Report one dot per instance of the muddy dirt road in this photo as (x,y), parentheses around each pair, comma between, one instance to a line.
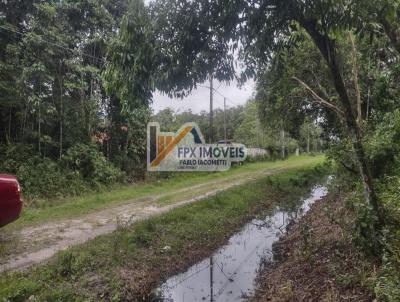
(35,244)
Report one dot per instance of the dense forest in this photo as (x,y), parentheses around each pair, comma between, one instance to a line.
(244,125)
(53,105)
(69,123)
(77,79)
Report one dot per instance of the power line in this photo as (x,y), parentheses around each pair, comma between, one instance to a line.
(53,43)
(225,275)
(230,278)
(228,99)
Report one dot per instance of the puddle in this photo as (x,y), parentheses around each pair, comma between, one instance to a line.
(229,274)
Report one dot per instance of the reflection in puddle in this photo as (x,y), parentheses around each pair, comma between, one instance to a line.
(229,274)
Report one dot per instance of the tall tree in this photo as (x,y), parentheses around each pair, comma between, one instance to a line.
(263,27)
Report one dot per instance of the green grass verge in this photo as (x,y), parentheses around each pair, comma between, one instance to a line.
(127,264)
(69,208)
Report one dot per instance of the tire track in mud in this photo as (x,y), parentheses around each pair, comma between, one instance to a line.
(36,244)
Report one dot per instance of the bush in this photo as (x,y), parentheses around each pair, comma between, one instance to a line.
(13,155)
(91,164)
(387,287)
(258,157)
(388,283)
(382,145)
(43,177)
(81,169)
(133,167)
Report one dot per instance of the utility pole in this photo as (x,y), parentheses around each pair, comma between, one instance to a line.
(225,119)
(210,133)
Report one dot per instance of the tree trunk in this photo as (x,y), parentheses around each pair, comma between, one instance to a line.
(9,127)
(39,130)
(60,83)
(23,124)
(90,110)
(328,50)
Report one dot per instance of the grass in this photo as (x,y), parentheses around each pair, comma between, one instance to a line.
(72,207)
(127,264)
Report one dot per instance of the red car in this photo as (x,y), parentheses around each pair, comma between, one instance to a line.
(10,199)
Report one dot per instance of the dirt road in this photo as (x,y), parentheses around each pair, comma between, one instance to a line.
(35,244)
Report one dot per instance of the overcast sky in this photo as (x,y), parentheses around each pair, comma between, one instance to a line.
(200,99)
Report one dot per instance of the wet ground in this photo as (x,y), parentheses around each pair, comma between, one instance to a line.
(230,273)
(34,245)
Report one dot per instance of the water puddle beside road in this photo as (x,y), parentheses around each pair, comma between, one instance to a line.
(230,273)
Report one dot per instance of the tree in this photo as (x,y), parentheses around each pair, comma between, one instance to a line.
(263,27)
(171,120)
(383,14)
(166,118)
(285,105)
(192,43)
(52,97)
(249,131)
(55,59)
(311,136)
(129,77)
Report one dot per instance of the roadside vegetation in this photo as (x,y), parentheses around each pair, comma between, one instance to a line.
(129,263)
(167,185)
(328,256)
(319,260)
(69,124)
(78,78)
